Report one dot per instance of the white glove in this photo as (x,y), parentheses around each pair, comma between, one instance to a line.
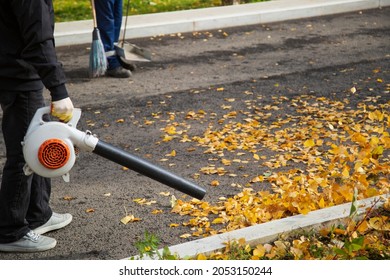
(62,109)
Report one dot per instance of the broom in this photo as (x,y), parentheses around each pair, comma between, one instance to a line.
(97,56)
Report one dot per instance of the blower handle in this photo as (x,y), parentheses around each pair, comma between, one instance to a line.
(146,168)
(38,119)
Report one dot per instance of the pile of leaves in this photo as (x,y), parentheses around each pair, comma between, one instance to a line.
(323,152)
(366,238)
(339,149)
(361,238)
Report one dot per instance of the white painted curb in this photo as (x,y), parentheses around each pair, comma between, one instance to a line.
(140,26)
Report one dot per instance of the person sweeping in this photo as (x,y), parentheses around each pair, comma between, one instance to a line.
(109,22)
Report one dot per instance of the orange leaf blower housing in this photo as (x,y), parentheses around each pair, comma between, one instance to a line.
(53,153)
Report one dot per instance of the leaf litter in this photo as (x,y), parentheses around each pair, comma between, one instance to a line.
(314,155)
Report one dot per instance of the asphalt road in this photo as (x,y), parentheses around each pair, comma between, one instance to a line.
(193,81)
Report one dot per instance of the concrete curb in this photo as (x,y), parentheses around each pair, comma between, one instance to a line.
(268,232)
(80,32)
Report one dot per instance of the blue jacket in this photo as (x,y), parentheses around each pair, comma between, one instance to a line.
(28,58)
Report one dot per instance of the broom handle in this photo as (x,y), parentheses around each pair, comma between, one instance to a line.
(94,13)
(124,30)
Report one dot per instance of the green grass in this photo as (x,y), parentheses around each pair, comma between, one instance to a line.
(73,10)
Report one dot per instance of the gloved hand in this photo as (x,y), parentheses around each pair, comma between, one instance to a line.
(62,109)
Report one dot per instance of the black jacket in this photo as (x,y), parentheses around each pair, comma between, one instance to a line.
(28,59)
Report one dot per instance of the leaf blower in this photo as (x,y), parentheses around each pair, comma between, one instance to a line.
(49,149)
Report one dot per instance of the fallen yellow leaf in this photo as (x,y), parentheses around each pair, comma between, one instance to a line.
(173,201)
(309,143)
(214,183)
(259,251)
(173,225)
(201,257)
(218,221)
(165,193)
(129,218)
(380,223)
(171,154)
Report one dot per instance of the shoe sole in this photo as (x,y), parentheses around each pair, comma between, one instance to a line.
(9,249)
(119,76)
(53,227)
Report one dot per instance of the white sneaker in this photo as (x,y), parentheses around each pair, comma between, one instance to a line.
(56,221)
(31,242)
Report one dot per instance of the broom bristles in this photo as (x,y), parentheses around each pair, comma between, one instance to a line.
(97,56)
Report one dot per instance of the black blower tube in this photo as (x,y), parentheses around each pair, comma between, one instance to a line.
(148,169)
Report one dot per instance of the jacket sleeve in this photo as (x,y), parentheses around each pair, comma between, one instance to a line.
(35,19)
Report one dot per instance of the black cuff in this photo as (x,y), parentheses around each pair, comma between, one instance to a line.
(58,93)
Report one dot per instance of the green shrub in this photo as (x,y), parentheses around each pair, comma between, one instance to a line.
(72,10)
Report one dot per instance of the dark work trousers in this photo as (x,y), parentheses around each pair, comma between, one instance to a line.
(109,22)
(24,200)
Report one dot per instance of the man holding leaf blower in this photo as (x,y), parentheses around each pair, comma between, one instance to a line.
(28,63)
